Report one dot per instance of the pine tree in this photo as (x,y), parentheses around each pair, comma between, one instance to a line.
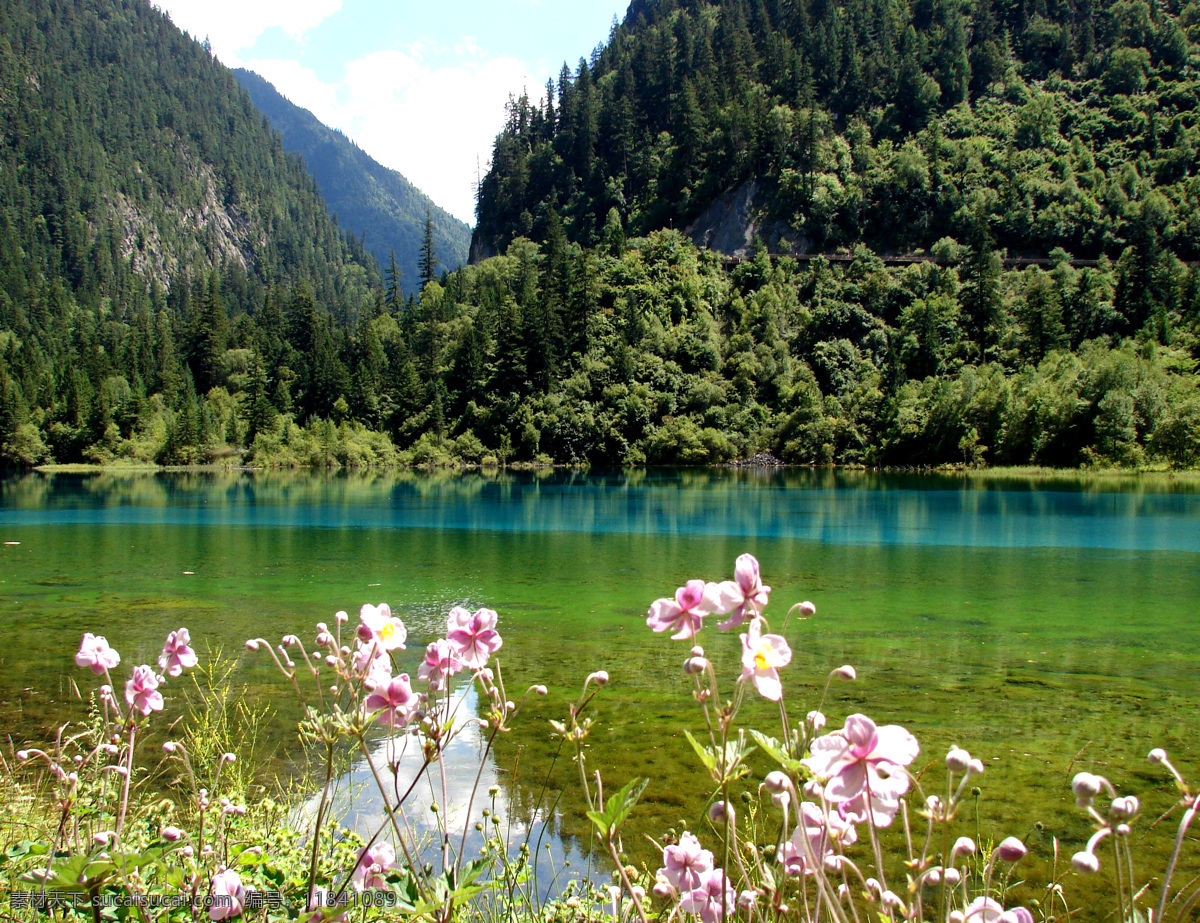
(394,295)
(429,260)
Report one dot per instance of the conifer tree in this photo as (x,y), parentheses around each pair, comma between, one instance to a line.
(429,261)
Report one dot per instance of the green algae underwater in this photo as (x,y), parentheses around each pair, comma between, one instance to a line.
(1047,625)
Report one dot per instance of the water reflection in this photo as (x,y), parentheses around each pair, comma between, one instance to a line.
(464,785)
(1155,513)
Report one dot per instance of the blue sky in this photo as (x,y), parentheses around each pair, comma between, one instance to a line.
(419,86)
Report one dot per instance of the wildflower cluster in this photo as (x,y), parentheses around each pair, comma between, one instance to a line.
(358,690)
(93,854)
(835,792)
(1115,826)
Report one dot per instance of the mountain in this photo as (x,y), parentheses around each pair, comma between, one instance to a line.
(823,124)
(967,234)
(156,242)
(375,203)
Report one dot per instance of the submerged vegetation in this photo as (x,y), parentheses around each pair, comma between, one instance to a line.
(805,824)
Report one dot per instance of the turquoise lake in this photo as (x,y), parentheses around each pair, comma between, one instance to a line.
(1044,625)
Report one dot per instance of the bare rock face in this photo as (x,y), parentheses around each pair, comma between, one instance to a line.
(730,224)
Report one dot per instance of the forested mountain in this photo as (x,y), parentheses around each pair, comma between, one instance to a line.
(147,217)
(1033,124)
(375,203)
(172,289)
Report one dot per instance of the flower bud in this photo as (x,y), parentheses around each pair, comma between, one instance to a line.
(846,672)
(171,834)
(104,837)
(807,609)
(719,811)
(1085,863)
(341,616)
(22,755)
(933,804)
(963,846)
(934,876)
(815,720)
(874,888)
(188,851)
(600,677)
(957,916)
(694,665)
(976,767)
(539,690)
(1085,785)
(747,899)
(252,644)
(952,877)
(814,789)
(781,800)
(662,889)
(958,760)
(1011,849)
(1125,807)
(776,782)
(638,893)
(172,746)
(228,758)
(1123,829)
(1157,755)
(891,900)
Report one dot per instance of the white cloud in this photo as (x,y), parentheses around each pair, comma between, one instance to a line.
(301,86)
(234,25)
(435,124)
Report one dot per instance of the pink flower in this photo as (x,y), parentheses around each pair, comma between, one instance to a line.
(862,756)
(141,692)
(94,652)
(228,896)
(441,662)
(379,625)
(825,834)
(456,618)
(176,655)
(474,637)
(686,865)
(371,663)
(884,802)
(372,863)
(711,899)
(396,699)
(744,597)
(987,910)
(762,656)
(692,602)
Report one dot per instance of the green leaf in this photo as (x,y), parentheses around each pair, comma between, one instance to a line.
(707,756)
(777,751)
(617,808)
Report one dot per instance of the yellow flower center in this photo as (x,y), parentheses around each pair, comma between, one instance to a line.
(760,658)
(386,632)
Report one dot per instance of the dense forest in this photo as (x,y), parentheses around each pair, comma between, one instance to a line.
(174,291)
(376,204)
